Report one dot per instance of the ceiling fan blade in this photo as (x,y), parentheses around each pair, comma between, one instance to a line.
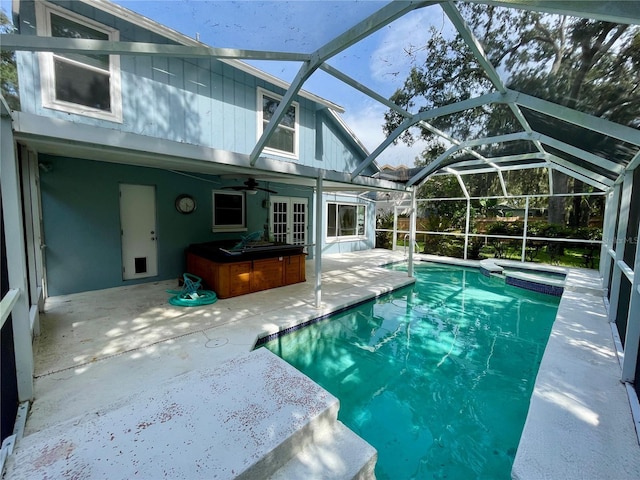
(267,190)
(249,186)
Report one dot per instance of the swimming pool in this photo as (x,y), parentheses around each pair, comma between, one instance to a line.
(436,376)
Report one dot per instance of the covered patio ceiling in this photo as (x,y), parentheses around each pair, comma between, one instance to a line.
(586,147)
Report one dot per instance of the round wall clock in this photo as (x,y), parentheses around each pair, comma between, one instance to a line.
(185,204)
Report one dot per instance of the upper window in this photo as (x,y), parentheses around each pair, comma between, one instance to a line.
(284,140)
(345,220)
(83,83)
(228,211)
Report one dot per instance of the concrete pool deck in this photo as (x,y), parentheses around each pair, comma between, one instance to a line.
(106,358)
(100,349)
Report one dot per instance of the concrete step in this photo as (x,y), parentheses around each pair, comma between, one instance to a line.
(336,454)
(245,418)
(310,427)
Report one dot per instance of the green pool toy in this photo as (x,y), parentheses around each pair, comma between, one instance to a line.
(191,294)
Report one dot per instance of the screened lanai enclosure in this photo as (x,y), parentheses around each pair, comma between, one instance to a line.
(494,129)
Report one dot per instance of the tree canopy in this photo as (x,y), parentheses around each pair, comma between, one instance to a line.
(590,66)
(8,72)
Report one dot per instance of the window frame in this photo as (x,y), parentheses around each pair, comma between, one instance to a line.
(261,124)
(47,66)
(338,237)
(234,227)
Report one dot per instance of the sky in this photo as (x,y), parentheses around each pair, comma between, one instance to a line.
(381,61)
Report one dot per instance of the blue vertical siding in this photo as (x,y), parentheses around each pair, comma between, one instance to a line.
(339,151)
(196,101)
(137,95)
(198,85)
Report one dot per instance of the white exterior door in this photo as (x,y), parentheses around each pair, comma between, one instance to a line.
(138,231)
(289,219)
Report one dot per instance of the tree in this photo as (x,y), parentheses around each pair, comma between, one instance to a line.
(8,71)
(587,65)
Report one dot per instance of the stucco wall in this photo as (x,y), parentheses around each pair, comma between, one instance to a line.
(81,217)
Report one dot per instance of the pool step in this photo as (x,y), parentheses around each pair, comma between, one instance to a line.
(244,419)
(528,278)
(337,454)
(489,267)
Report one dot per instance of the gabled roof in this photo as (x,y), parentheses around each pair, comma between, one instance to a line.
(400,173)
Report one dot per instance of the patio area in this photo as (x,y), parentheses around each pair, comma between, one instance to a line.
(106,345)
(459,116)
(110,357)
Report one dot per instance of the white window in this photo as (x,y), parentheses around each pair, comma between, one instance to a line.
(284,140)
(229,211)
(83,83)
(345,220)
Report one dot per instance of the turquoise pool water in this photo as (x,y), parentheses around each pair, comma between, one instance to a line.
(436,376)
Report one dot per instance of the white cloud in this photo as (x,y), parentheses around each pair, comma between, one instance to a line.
(366,121)
(397,47)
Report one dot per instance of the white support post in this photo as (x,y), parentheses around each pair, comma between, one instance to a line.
(608,229)
(632,337)
(29,191)
(394,241)
(524,229)
(463,187)
(412,229)
(503,185)
(16,261)
(319,233)
(36,206)
(466,228)
(623,221)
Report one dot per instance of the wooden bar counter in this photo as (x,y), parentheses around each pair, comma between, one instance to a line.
(232,273)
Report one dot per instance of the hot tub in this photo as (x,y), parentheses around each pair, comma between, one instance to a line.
(231,270)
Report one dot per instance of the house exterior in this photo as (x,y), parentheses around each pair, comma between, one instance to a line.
(188,125)
(117,162)
(134,141)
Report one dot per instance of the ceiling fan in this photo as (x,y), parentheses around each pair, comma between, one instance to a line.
(250,186)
